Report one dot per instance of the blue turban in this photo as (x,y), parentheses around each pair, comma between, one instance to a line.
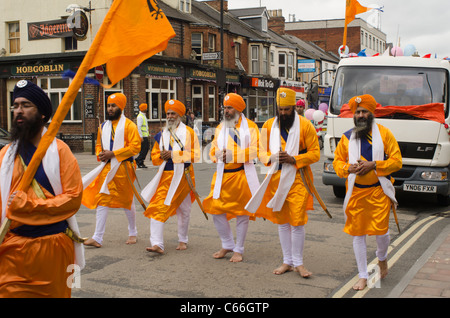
(36,95)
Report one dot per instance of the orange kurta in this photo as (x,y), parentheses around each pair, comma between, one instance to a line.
(120,191)
(298,200)
(368,208)
(37,267)
(157,209)
(235,191)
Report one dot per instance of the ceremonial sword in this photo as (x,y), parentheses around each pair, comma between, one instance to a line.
(187,174)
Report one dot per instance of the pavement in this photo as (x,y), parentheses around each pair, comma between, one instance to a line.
(429,277)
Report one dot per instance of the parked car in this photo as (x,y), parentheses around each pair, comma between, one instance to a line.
(4,138)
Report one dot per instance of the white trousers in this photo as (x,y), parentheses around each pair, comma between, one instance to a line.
(183,217)
(226,234)
(360,249)
(292,240)
(102,215)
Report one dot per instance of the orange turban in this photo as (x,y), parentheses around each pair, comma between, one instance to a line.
(235,101)
(366,101)
(176,106)
(143,107)
(119,99)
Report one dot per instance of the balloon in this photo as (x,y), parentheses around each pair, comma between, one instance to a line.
(343,50)
(409,50)
(318,115)
(323,107)
(396,51)
(309,113)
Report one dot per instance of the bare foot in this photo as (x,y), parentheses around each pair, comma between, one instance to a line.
(360,284)
(181,246)
(282,269)
(303,271)
(221,253)
(237,257)
(155,249)
(92,242)
(131,240)
(383,268)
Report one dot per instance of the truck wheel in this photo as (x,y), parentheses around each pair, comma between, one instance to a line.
(339,192)
(443,200)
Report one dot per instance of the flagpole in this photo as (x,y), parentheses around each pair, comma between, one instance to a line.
(58,118)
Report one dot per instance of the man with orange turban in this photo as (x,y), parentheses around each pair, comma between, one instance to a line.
(366,156)
(169,192)
(109,185)
(233,149)
(142,125)
(288,142)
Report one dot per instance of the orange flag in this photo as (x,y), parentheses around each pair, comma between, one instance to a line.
(132,31)
(352,8)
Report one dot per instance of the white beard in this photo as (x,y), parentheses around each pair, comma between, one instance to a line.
(231,123)
(172,126)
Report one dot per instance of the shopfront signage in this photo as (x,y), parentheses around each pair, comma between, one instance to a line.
(41,69)
(306,65)
(198,74)
(262,83)
(162,70)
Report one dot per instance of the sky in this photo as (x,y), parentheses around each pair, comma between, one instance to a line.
(424,24)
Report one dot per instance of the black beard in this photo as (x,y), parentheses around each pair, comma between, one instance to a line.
(23,134)
(114,116)
(286,121)
(363,126)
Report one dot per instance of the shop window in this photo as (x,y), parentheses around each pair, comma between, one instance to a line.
(56,87)
(158,92)
(197,101)
(212,102)
(260,105)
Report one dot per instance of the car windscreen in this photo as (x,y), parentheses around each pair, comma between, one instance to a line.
(390,86)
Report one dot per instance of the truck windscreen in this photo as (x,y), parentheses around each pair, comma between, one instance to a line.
(390,86)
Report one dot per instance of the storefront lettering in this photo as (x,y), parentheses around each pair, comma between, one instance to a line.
(263,83)
(204,74)
(39,69)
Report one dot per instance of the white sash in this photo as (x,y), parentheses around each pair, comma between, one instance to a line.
(118,144)
(178,168)
(288,171)
(354,154)
(50,163)
(249,167)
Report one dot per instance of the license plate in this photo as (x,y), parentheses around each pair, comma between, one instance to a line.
(419,188)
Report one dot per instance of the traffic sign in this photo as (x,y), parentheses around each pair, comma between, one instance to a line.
(99,72)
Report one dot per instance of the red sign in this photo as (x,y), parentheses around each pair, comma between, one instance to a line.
(99,72)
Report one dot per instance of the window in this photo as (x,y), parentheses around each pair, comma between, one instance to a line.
(70,43)
(265,60)
(14,37)
(56,87)
(290,66)
(237,54)
(212,102)
(255,59)
(197,101)
(185,6)
(211,43)
(196,44)
(272,58)
(159,91)
(281,64)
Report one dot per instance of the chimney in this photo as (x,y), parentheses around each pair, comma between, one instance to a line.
(276,21)
(216,4)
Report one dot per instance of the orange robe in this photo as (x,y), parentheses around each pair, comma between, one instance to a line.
(120,191)
(37,267)
(298,200)
(157,209)
(235,191)
(368,208)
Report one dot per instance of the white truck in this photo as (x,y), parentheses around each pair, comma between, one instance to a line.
(424,143)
